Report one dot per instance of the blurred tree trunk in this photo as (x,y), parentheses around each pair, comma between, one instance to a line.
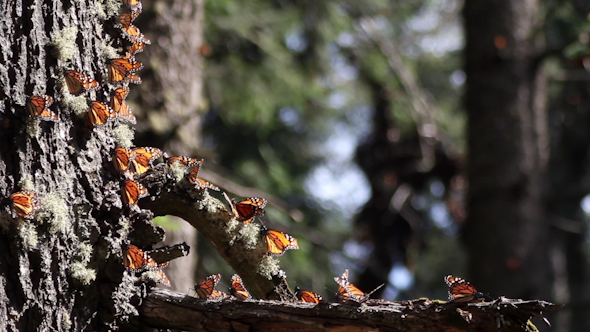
(169,103)
(506,234)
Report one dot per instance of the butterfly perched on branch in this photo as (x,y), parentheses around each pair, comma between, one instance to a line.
(206,289)
(349,292)
(237,288)
(460,290)
(276,243)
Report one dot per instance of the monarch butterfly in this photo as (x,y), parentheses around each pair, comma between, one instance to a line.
(119,105)
(460,290)
(163,278)
(23,203)
(133,78)
(120,69)
(137,260)
(135,47)
(132,191)
(193,178)
(308,296)
(276,243)
(78,83)
(349,292)
(38,106)
(183,161)
(237,288)
(122,159)
(206,288)
(133,33)
(144,158)
(247,209)
(100,113)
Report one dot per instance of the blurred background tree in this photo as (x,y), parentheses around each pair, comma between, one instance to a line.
(349,117)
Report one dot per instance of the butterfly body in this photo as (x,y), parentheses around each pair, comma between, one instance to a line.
(276,243)
(237,288)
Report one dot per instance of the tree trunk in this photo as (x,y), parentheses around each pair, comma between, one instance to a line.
(506,233)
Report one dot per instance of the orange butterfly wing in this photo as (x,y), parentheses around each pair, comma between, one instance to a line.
(248,208)
(136,46)
(307,296)
(132,191)
(349,292)
(182,161)
(23,204)
(276,243)
(193,172)
(460,290)
(206,287)
(144,158)
(120,107)
(122,159)
(127,18)
(133,33)
(38,106)
(100,113)
(237,288)
(78,83)
(120,69)
(134,258)
(163,278)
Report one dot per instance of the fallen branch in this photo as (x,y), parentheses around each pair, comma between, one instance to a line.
(167,309)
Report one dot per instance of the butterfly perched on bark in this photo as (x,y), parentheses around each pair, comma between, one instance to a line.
(120,69)
(23,203)
(460,290)
(79,83)
(122,159)
(206,289)
(308,296)
(237,288)
(144,157)
(136,260)
(132,191)
(247,209)
(119,105)
(38,107)
(276,243)
(193,177)
(349,292)
(100,113)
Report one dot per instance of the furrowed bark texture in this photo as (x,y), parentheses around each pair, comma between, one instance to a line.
(62,269)
(168,309)
(506,233)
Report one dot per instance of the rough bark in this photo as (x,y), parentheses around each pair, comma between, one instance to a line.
(175,310)
(506,233)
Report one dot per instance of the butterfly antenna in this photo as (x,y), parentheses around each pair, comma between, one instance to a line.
(374,290)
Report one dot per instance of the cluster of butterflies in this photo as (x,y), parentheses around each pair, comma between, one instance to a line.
(120,72)
(205,289)
(460,290)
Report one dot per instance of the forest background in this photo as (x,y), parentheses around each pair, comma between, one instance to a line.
(402,140)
